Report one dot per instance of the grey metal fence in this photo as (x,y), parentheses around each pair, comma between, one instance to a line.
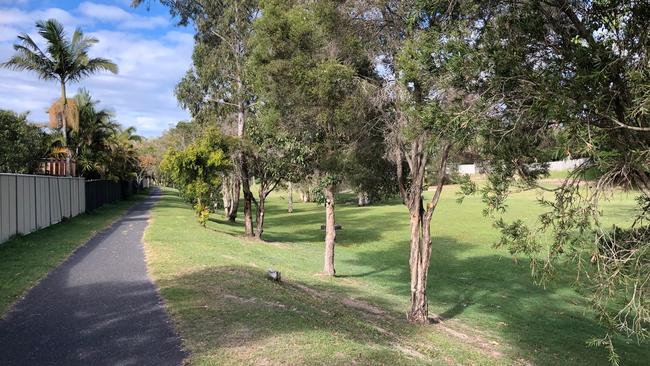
(32,202)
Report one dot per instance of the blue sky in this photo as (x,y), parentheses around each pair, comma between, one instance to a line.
(150,50)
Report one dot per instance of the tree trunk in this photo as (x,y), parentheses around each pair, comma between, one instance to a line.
(259,216)
(420,217)
(419,263)
(248,198)
(290,199)
(243,169)
(231,191)
(330,231)
(362,199)
(305,195)
(65,130)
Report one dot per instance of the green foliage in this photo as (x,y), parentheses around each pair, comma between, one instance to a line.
(101,147)
(22,144)
(275,155)
(569,79)
(63,59)
(307,66)
(197,169)
(202,213)
(216,85)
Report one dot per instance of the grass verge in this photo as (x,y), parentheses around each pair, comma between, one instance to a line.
(213,281)
(24,260)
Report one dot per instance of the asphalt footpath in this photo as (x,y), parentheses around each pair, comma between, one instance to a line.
(97,308)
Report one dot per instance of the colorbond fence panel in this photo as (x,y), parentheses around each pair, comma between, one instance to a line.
(32,202)
(7,206)
(42,202)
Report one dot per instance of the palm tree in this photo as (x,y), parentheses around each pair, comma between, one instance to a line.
(64,60)
(91,142)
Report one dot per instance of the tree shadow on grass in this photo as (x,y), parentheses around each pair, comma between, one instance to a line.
(303,226)
(233,313)
(548,326)
(545,326)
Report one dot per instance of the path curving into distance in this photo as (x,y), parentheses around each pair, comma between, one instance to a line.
(97,308)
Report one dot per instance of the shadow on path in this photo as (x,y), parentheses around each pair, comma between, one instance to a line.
(98,308)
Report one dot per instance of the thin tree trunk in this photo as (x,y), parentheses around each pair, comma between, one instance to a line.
(248,197)
(243,169)
(330,231)
(420,255)
(65,130)
(362,199)
(259,216)
(305,195)
(231,192)
(418,264)
(290,199)
(225,195)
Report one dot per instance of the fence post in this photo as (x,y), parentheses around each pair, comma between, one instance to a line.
(16,203)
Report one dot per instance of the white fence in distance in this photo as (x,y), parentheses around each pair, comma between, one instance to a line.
(553,166)
(32,202)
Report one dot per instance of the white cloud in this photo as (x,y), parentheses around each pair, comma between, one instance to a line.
(26,19)
(141,95)
(117,15)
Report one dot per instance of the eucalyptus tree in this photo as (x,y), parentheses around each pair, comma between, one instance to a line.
(426,51)
(217,85)
(311,69)
(64,60)
(576,72)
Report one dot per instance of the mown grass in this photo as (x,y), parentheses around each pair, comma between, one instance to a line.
(213,282)
(24,260)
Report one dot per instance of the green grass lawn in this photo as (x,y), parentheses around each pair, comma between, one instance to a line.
(26,259)
(213,281)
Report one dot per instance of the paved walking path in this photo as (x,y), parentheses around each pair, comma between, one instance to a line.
(97,308)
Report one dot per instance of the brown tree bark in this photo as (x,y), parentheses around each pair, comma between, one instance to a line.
(266,187)
(248,197)
(243,168)
(420,218)
(330,230)
(259,215)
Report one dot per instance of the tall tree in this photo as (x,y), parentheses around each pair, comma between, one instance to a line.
(576,73)
(217,83)
(426,50)
(64,60)
(311,69)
